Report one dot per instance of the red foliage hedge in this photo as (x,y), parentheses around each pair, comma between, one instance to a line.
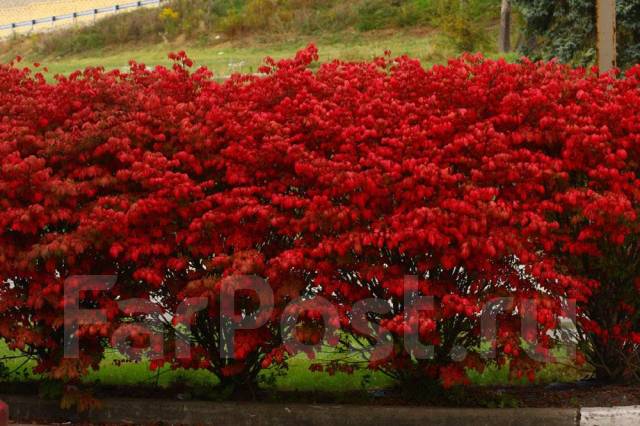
(482,178)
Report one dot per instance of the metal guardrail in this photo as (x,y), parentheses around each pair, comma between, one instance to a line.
(74,15)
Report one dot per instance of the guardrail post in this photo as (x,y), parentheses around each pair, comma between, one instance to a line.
(505,26)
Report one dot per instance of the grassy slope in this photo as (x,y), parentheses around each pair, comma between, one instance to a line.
(340,29)
(246,55)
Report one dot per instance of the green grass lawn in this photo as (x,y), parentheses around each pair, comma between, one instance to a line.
(246,55)
(297,378)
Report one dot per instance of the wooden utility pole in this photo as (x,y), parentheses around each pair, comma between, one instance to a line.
(505,26)
(606,23)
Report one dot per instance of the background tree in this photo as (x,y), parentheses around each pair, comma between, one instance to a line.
(567,30)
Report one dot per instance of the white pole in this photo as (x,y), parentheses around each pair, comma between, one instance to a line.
(606,19)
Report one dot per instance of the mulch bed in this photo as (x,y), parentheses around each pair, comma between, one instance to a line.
(558,395)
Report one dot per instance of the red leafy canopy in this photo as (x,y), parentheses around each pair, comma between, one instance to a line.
(484,179)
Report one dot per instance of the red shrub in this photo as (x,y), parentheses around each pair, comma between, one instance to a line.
(482,179)
(89,185)
(590,126)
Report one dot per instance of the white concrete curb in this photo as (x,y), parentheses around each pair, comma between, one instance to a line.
(610,416)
